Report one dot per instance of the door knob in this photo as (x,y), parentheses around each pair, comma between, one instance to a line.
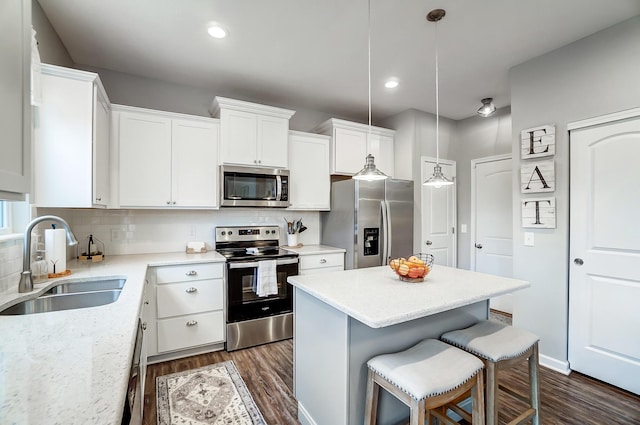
(429,243)
(578,261)
(478,245)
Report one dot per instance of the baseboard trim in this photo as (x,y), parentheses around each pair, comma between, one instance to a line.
(303,416)
(554,364)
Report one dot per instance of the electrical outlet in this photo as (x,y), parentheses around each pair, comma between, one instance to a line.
(115,235)
(192,231)
(528,239)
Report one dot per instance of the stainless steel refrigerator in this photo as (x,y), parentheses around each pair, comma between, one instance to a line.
(373,221)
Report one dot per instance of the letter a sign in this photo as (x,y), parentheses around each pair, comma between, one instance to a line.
(538,176)
(538,142)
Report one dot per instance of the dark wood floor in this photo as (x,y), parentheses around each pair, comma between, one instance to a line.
(268,373)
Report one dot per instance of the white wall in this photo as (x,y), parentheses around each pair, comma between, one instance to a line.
(50,46)
(474,138)
(153,231)
(594,76)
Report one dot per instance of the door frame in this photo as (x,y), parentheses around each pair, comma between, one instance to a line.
(454,220)
(472,223)
(577,125)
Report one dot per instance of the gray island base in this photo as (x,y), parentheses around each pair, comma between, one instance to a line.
(342,319)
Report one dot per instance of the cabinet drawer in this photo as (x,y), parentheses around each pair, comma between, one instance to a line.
(321,260)
(199,271)
(189,331)
(189,297)
(322,270)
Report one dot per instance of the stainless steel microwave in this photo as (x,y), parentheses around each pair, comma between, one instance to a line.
(254,187)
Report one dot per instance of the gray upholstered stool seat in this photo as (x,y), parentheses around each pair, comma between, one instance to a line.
(501,346)
(427,376)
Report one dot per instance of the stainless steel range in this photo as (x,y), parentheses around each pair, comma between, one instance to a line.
(259,299)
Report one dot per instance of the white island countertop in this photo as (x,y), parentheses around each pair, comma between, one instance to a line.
(72,366)
(377,297)
(314,249)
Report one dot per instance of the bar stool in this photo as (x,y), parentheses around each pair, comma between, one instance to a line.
(501,346)
(427,377)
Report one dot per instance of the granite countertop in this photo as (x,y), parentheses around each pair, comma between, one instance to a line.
(377,297)
(72,367)
(315,249)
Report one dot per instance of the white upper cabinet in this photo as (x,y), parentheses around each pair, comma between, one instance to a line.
(351,143)
(71,140)
(166,160)
(252,134)
(310,182)
(15,104)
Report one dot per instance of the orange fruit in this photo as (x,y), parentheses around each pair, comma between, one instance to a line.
(403,269)
(394,264)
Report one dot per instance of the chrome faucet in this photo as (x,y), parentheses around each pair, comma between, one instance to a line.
(26,281)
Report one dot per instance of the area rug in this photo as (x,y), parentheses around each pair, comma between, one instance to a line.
(210,395)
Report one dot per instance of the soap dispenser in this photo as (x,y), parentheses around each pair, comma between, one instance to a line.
(39,269)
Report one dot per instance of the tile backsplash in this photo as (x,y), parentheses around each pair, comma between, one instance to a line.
(10,263)
(154,231)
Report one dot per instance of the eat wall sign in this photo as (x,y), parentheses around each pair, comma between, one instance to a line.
(538,176)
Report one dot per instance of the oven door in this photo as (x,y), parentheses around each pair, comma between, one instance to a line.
(243,303)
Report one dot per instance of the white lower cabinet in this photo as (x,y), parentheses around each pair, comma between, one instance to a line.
(321,263)
(178,333)
(188,307)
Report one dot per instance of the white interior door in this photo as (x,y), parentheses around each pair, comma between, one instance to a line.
(439,215)
(492,233)
(604,287)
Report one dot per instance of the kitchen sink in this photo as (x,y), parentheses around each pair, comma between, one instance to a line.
(87,286)
(66,301)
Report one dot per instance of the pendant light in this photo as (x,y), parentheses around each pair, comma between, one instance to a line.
(438,179)
(488,108)
(369,172)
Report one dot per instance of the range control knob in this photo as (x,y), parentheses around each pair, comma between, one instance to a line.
(223,233)
(230,232)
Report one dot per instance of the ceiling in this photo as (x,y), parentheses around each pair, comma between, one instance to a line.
(313,54)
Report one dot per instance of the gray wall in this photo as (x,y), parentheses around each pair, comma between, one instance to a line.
(597,75)
(416,137)
(50,47)
(475,138)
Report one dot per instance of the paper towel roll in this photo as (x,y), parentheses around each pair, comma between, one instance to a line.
(55,245)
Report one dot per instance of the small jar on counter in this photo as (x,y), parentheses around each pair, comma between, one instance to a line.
(39,269)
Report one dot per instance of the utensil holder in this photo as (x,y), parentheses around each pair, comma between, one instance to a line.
(292,239)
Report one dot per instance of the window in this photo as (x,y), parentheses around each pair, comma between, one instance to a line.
(5,223)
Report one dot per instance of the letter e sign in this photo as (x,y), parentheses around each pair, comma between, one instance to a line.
(538,176)
(538,142)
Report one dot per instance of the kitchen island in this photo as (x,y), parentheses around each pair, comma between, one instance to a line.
(342,319)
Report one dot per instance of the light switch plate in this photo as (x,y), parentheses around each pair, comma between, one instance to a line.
(528,239)
(463,228)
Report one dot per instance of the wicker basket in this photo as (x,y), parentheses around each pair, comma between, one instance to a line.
(422,267)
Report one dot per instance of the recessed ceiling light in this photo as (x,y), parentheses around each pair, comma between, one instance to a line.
(391,84)
(217,31)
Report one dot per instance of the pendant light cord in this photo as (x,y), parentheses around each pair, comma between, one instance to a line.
(437,104)
(369,59)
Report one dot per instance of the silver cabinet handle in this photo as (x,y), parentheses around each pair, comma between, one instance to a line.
(428,243)
(146,303)
(168,202)
(192,273)
(478,245)
(578,261)
(98,199)
(322,261)
(191,290)
(192,322)
(174,202)
(144,326)
(259,161)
